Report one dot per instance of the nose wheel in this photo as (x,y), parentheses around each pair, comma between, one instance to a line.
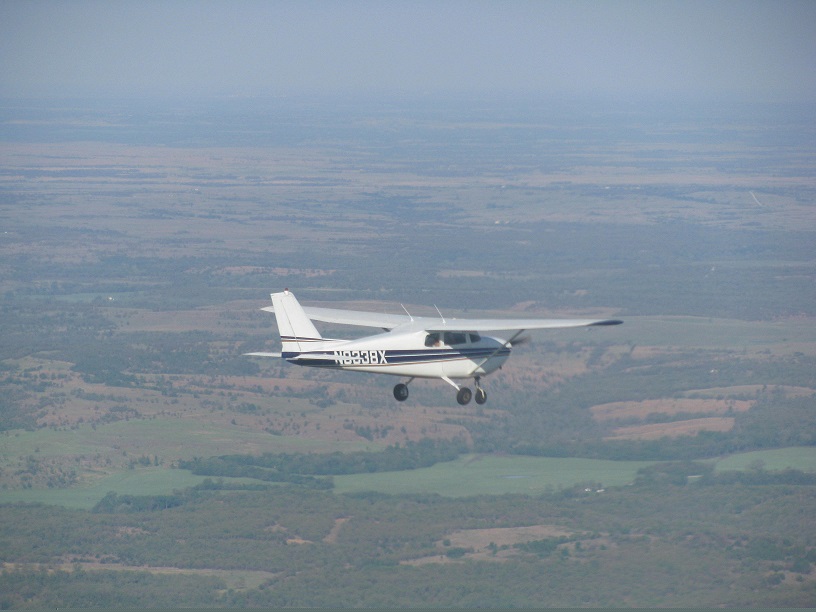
(481,396)
(465,395)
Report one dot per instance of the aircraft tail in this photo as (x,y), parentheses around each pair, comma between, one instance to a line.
(296,329)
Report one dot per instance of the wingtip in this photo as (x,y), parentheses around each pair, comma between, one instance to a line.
(608,322)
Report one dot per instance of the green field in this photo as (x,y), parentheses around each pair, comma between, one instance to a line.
(797,458)
(478,475)
(144,481)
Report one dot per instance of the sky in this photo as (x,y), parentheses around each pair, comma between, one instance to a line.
(746,49)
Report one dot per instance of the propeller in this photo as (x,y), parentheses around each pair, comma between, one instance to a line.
(521,341)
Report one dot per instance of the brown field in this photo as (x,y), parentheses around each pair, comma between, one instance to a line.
(641,410)
(743,390)
(480,541)
(501,536)
(655,431)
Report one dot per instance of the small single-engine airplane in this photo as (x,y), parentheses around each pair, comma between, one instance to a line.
(414,347)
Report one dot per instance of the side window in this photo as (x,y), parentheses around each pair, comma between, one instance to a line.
(432,340)
(452,338)
(474,337)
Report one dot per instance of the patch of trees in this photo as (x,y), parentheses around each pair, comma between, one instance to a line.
(776,420)
(672,472)
(760,477)
(115,503)
(14,413)
(681,473)
(229,467)
(219,485)
(116,359)
(77,588)
(31,326)
(544,547)
(307,468)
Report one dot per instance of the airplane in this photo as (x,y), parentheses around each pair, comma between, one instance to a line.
(412,347)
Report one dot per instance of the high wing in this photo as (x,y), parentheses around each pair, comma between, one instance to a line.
(433,324)
(513,324)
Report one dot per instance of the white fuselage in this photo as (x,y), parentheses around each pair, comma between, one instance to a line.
(415,354)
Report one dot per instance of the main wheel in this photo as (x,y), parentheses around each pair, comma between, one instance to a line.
(481,396)
(464,395)
(401,392)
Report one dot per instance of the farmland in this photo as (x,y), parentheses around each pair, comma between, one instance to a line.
(138,248)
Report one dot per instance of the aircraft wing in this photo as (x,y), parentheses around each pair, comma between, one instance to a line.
(433,324)
(483,325)
(352,317)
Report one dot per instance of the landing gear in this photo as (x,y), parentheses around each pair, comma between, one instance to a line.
(464,395)
(401,392)
(481,396)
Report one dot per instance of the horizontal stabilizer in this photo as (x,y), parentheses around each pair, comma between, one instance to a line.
(352,317)
(317,356)
(278,355)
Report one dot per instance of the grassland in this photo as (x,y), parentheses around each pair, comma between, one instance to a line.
(473,475)
(144,481)
(803,459)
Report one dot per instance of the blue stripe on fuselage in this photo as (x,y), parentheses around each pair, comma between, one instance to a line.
(339,359)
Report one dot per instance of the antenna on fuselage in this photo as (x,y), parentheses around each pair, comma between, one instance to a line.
(440,314)
(408,313)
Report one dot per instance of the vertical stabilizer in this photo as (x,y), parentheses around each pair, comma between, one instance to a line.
(296,329)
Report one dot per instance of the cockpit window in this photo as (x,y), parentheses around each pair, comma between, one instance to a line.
(432,340)
(452,338)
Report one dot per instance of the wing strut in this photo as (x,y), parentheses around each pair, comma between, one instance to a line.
(450,382)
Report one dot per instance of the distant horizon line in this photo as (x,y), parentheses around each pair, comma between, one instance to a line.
(671,98)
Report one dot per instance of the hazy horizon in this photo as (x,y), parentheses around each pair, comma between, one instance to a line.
(749,51)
